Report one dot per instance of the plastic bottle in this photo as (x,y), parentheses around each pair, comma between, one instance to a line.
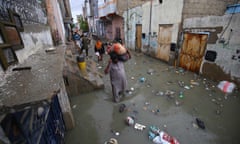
(181,94)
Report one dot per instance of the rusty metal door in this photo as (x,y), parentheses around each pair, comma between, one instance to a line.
(138,37)
(164,42)
(192,51)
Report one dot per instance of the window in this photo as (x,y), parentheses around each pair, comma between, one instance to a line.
(15,19)
(10,40)
(11,35)
(7,56)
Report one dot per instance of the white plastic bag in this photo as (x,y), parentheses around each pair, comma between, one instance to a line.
(164,138)
(97,54)
(226,86)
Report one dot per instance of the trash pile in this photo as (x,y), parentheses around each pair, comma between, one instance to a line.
(156,135)
(160,137)
(130,122)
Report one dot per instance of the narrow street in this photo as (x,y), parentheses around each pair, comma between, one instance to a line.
(156,101)
(183,77)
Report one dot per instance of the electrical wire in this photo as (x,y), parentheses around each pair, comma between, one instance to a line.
(236,2)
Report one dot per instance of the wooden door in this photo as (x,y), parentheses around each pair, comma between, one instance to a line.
(164,42)
(192,51)
(138,37)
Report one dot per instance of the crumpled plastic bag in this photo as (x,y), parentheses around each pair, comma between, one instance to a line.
(226,86)
(164,138)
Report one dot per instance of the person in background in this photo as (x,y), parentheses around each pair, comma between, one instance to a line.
(99,49)
(117,76)
(77,39)
(85,43)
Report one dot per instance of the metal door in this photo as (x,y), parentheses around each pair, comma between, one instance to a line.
(192,51)
(164,42)
(138,37)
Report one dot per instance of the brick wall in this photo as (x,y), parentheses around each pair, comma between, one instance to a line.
(201,8)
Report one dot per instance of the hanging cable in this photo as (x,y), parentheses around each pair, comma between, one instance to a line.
(236,2)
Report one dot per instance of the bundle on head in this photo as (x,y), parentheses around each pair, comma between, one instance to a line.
(119,49)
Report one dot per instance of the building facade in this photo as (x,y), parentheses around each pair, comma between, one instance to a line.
(216,44)
(110,23)
(25,36)
(187,35)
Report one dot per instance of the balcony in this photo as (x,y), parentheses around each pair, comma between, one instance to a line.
(109,7)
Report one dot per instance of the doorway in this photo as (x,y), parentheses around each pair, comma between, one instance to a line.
(138,44)
(164,42)
(192,52)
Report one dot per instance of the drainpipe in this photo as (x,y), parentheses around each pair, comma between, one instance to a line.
(127,26)
(150,23)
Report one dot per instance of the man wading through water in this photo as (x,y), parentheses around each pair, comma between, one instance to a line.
(117,72)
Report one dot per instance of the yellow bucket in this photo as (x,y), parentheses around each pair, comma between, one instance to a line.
(82,65)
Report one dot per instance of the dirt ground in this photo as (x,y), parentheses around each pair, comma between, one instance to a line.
(156,101)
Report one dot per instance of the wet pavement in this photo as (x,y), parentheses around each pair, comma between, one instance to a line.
(167,97)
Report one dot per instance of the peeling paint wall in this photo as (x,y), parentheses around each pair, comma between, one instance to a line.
(55,21)
(117,23)
(34,37)
(162,13)
(36,34)
(132,17)
(226,65)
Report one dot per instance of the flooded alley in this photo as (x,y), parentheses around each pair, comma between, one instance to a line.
(183,74)
(160,95)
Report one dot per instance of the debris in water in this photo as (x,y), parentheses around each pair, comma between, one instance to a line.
(181,94)
(132,88)
(194,125)
(142,79)
(138,126)
(129,121)
(194,83)
(74,106)
(200,123)
(122,108)
(187,87)
(177,103)
(226,87)
(218,112)
(117,133)
(150,71)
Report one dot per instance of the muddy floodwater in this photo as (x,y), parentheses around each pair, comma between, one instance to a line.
(167,97)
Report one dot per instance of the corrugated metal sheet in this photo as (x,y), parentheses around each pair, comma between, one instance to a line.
(231,9)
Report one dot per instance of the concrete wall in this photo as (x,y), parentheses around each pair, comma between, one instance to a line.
(117,23)
(132,17)
(227,63)
(108,31)
(114,22)
(34,37)
(161,14)
(123,5)
(66,107)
